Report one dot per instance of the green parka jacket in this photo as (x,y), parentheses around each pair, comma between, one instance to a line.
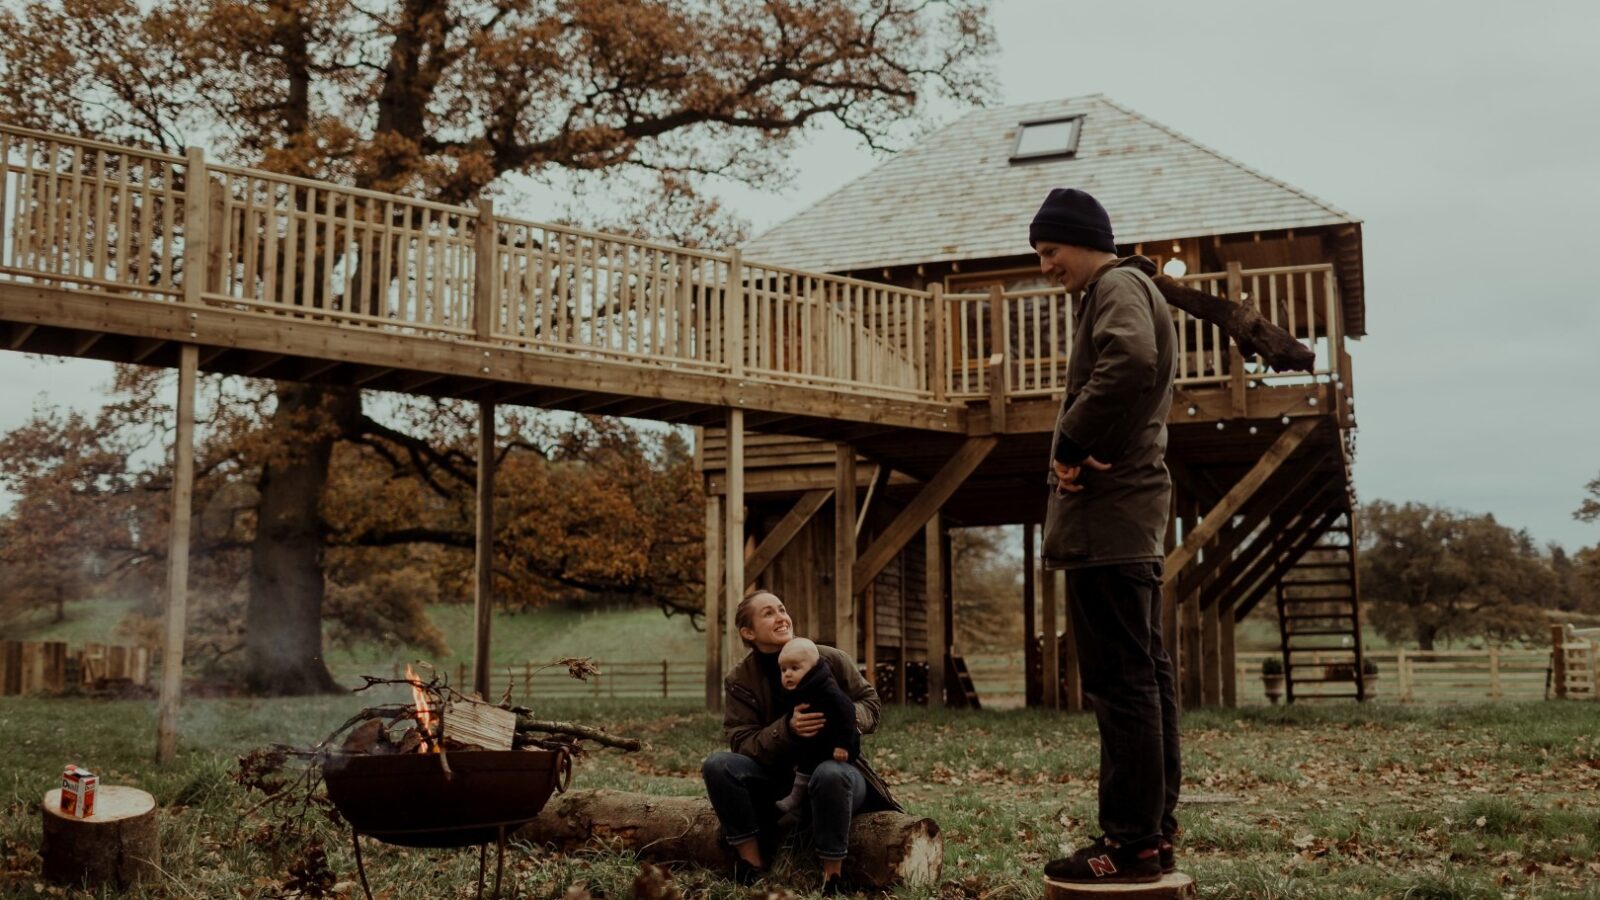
(755,726)
(1119,391)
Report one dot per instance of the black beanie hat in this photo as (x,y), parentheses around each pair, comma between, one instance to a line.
(1070,216)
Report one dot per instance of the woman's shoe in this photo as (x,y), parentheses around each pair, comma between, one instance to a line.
(833,886)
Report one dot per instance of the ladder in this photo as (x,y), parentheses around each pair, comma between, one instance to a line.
(1319,620)
(957,675)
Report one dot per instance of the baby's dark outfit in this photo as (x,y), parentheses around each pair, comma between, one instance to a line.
(820,691)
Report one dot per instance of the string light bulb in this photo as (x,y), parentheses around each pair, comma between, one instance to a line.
(1221,426)
(1285,420)
(1194,410)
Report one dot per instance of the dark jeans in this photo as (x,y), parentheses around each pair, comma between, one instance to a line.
(1128,680)
(743,793)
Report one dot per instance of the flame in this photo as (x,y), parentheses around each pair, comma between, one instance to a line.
(427,718)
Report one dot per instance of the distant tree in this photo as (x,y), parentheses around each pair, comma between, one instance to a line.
(1431,574)
(441,99)
(987,594)
(1589,509)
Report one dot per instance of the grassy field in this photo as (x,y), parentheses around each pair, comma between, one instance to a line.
(1326,802)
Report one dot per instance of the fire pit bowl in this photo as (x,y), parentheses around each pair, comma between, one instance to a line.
(407,799)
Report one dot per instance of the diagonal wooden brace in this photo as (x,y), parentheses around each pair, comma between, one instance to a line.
(1283,448)
(780,536)
(921,509)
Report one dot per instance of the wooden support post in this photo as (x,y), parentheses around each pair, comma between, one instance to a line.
(1071,661)
(1210,656)
(1230,659)
(1052,656)
(178,555)
(869,643)
(1033,685)
(733,549)
(1189,611)
(844,549)
(485,239)
(1558,660)
(483,575)
(923,507)
(1238,389)
(1169,596)
(935,592)
(196,216)
(733,316)
(714,627)
(998,360)
(939,316)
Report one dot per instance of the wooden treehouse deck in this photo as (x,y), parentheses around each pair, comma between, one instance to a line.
(122,254)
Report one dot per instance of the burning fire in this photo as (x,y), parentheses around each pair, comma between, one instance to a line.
(427,717)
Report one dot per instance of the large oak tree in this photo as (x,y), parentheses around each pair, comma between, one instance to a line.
(443,99)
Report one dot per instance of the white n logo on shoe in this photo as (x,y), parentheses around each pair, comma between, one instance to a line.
(1102,866)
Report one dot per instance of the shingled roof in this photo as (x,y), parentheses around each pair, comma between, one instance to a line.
(957,195)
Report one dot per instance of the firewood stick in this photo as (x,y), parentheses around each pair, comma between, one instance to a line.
(1253,333)
(528,723)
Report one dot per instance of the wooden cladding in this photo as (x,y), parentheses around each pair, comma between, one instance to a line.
(49,667)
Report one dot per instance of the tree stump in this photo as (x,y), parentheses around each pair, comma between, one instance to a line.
(887,849)
(117,847)
(1176,886)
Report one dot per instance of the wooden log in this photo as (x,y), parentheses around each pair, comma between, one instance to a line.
(1173,886)
(117,847)
(1253,334)
(887,849)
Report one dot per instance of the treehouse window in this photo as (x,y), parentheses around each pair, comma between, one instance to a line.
(1047,138)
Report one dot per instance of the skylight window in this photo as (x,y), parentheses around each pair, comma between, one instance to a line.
(1047,138)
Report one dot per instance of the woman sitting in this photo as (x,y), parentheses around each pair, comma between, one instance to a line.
(746,784)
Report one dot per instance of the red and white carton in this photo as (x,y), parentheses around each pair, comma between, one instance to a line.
(77,792)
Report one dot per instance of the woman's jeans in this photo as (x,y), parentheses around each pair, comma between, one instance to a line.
(743,793)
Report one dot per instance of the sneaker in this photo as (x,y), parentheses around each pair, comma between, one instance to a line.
(1106,861)
(1168,856)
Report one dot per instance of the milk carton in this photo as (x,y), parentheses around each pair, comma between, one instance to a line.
(77,792)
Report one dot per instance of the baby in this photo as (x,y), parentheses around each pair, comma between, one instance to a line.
(804,681)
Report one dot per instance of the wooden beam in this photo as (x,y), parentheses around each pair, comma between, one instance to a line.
(1230,660)
(1238,391)
(998,352)
(934,597)
(483,543)
(927,502)
(178,559)
(1052,657)
(784,532)
(1239,573)
(143,347)
(316,367)
(844,548)
(371,375)
(880,480)
(86,342)
(733,532)
(1032,688)
(20,335)
(1290,482)
(1255,581)
(713,623)
(1282,448)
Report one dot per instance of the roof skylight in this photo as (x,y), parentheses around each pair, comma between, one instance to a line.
(1047,138)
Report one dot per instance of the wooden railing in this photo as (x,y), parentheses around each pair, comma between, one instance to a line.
(135,224)
(1031,333)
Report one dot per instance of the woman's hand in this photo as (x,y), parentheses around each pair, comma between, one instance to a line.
(840,754)
(806,724)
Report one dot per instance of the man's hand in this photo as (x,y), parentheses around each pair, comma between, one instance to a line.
(840,754)
(1067,476)
(806,724)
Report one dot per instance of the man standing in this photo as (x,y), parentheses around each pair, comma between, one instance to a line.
(1105,524)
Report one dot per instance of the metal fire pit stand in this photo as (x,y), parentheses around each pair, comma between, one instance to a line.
(483,852)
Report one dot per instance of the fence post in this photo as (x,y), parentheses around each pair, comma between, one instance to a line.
(1494,673)
(484,244)
(1236,375)
(733,315)
(1403,673)
(999,359)
(663,679)
(527,680)
(939,368)
(1558,660)
(196,218)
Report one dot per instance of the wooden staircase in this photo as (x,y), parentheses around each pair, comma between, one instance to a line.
(963,693)
(1319,621)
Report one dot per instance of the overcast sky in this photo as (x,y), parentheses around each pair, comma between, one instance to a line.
(1466,138)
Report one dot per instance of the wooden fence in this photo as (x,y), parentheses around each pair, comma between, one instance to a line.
(1406,676)
(50,667)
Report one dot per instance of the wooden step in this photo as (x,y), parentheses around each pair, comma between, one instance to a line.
(1317,632)
(1315,582)
(1302,618)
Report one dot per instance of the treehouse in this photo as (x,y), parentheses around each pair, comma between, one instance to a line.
(853,531)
